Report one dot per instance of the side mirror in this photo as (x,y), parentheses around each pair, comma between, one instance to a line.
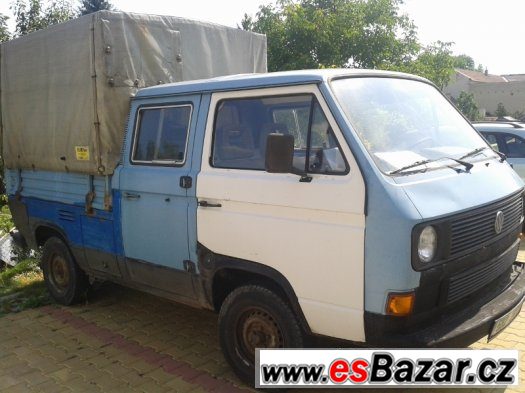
(279,153)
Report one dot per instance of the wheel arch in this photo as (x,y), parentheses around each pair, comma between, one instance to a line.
(44,231)
(223,274)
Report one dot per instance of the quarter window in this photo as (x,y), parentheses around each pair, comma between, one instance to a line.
(243,125)
(161,135)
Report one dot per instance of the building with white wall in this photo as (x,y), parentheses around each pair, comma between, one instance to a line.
(489,90)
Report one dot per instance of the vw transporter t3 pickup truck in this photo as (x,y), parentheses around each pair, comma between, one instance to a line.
(353,204)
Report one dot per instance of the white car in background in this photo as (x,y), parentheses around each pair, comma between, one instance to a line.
(507,138)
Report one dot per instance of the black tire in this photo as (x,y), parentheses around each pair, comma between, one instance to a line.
(254,317)
(65,281)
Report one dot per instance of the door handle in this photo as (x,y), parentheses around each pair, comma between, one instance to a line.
(130,195)
(207,204)
(185,181)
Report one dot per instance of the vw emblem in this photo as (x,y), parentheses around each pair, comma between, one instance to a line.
(498,223)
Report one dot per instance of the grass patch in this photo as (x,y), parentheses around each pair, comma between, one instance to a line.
(6,221)
(22,287)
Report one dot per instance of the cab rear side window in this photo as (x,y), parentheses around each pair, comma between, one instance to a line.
(161,135)
(242,126)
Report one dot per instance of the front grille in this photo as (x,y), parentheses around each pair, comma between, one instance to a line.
(472,230)
(468,282)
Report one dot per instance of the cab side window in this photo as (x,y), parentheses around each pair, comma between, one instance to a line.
(161,135)
(514,145)
(243,125)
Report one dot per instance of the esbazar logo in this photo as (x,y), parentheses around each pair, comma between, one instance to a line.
(383,369)
(277,368)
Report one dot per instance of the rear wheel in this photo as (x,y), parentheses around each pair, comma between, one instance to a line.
(65,281)
(254,317)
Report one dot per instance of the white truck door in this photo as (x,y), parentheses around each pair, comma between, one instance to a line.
(311,231)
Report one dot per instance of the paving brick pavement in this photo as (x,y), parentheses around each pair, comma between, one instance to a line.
(127,341)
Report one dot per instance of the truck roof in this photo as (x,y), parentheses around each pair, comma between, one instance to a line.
(248,81)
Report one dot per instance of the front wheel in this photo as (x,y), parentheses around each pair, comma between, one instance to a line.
(254,317)
(65,281)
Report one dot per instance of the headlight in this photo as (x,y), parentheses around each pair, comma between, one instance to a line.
(426,247)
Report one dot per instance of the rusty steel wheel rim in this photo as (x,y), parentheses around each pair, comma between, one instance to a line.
(59,273)
(257,329)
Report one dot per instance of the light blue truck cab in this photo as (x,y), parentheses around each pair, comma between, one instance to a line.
(358,205)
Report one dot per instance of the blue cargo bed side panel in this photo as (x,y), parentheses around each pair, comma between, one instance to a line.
(93,231)
(68,188)
(59,199)
(97,234)
(66,217)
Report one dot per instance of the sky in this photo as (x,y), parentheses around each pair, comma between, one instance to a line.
(492,32)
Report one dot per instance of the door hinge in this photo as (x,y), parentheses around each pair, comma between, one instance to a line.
(185,182)
(90,196)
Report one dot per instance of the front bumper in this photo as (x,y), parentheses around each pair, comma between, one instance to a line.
(455,328)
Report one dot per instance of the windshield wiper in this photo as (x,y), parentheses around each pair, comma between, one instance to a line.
(413,165)
(468,166)
(502,157)
(473,152)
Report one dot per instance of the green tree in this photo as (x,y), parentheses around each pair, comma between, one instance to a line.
(90,6)
(334,33)
(519,114)
(33,15)
(465,62)
(4,31)
(28,16)
(501,111)
(348,33)
(434,62)
(58,11)
(467,105)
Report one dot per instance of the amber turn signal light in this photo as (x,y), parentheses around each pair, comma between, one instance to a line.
(400,304)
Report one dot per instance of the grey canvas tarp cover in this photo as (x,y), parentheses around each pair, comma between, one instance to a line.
(65,90)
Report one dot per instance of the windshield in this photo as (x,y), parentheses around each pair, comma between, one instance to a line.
(406,124)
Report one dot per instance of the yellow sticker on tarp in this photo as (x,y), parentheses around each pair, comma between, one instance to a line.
(82,153)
